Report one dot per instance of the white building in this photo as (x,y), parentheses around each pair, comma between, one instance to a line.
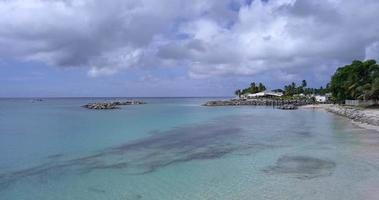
(320,99)
(264,94)
(323,98)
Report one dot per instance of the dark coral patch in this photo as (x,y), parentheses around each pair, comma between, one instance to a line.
(210,140)
(302,167)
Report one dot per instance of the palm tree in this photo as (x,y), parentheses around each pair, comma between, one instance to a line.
(261,87)
(304,83)
(238,93)
(359,80)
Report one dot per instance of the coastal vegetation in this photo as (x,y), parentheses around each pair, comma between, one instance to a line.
(253,88)
(357,81)
(293,89)
(288,91)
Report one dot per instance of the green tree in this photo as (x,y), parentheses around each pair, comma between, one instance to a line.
(261,87)
(304,83)
(359,80)
(290,90)
(254,88)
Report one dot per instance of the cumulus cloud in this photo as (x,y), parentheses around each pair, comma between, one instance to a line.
(210,38)
(283,35)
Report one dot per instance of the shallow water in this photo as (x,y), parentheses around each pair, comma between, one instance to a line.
(173,148)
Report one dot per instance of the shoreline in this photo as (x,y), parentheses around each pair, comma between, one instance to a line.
(364,118)
(258,102)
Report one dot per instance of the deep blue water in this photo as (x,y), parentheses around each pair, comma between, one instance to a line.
(174,148)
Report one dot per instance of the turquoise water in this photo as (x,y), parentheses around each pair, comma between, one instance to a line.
(173,148)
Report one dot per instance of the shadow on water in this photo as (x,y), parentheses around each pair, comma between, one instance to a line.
(212,140)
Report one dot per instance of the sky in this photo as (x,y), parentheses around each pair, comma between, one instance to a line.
(78,48)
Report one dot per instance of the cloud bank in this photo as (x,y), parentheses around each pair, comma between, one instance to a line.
(212,38)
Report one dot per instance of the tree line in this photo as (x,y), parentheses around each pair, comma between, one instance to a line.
(293,89)
(253,88)
(288,90)
(357,81)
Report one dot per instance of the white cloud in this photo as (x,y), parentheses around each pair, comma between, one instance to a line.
(285,35)
(210,38)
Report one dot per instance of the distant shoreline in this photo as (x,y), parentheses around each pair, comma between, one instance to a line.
(115,97)
(258,102)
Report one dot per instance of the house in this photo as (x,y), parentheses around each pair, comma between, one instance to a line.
(323,98)
(264,94)
(320,98)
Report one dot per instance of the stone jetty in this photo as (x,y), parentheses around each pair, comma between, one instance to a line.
(287,107)
(258,102)
(111,105)
(367,116)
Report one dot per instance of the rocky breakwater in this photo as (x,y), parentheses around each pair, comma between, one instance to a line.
(129,102)
(361,115)
(257,102)
(287,107)
(111,105)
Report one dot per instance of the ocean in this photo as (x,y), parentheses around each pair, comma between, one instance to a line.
(174,148)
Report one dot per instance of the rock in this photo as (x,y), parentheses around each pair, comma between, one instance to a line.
(354,114)
(36,100)
(287,107)
(257,102)
(111,105)
(100,106)
(129,102)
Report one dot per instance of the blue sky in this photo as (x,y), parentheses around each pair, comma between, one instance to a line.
(177,48)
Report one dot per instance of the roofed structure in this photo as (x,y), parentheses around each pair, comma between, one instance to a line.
(264,94)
